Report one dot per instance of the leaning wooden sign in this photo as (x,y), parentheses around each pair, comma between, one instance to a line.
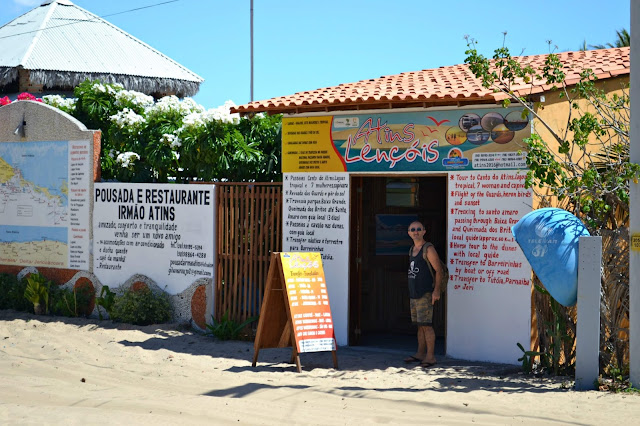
(295,309)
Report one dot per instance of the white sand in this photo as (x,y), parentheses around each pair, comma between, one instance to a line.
(74,371)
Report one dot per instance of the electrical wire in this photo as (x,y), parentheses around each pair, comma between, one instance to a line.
(91,20)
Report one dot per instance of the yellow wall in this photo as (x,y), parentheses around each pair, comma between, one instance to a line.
(555,110)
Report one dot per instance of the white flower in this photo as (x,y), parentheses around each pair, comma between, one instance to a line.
(127,118)
(171,103)
(59,101)
(164,105)
(222,113)
(167,138)
(188,106)
(194,119)
(126,159)
(136,98)
(112,89)
(171,140)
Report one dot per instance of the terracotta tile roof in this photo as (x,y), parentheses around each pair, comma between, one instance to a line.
(451,85)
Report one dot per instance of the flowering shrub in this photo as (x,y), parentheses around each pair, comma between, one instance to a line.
(127,118)
(127,159)
(67,105)
(175,140)
(130,98)
(21,97)
(28,97)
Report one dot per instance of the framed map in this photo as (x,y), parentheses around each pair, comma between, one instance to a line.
(44,205)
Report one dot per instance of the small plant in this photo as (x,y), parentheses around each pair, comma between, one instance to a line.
(12,293)
(37,292)
(58,301)
(616,374)
(559,338)
(141,307)
(70,303)
(616,381)
(226,328)
(528,357)
(105,301)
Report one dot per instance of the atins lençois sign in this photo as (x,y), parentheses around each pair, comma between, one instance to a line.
(478,139)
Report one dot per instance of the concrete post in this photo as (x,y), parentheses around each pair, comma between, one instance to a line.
(634,205)
(588,324)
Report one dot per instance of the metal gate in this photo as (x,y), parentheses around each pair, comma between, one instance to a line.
(249,228)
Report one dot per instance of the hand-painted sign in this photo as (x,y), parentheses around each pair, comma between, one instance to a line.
(407,141)
(487,269)
(308,302)
(133,223)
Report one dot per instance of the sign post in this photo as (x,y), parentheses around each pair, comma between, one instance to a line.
(295,309)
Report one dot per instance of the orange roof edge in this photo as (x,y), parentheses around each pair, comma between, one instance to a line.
(447,85)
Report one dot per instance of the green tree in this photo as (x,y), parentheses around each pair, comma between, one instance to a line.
(582,165)
(623,39)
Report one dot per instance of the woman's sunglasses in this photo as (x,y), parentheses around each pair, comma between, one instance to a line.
(415,229)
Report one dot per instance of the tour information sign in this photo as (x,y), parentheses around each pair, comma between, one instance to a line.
(308,302)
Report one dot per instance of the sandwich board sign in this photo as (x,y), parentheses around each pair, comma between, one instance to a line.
(295,308)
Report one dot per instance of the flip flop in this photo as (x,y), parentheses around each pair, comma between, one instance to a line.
(425,364)
(411,359)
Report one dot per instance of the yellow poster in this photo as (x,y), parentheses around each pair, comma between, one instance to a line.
(308,302)
(307,146)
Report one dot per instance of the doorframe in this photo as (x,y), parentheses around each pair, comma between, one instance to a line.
(356,183)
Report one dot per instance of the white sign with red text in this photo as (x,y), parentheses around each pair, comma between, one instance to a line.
(489,294)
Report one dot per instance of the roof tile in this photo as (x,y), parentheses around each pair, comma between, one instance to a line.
(444,84)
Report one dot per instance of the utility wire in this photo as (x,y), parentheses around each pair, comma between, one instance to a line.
(91,20)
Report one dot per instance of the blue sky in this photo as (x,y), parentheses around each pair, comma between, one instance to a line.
(304,45)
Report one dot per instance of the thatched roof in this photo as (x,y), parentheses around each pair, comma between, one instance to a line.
(61,45)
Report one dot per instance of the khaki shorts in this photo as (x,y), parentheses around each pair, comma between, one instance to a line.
(422,310)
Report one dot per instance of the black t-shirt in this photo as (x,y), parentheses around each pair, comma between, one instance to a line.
(420,279)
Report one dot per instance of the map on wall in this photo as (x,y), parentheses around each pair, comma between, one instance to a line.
(35,214)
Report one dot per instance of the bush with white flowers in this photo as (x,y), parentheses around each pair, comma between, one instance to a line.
(68,105)
(127,159)
(174,139)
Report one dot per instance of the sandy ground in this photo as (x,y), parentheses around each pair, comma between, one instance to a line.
(75,371)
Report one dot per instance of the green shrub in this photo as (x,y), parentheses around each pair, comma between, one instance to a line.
(142,307)
(69,303)
(105,301)
(37,292)
(226,328)
(12,293)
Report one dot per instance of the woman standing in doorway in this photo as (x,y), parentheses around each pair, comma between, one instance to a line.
(424,291)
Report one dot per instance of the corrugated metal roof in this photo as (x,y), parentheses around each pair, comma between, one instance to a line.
(451,85)
(60,36)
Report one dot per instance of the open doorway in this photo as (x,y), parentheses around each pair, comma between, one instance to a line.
(381,209)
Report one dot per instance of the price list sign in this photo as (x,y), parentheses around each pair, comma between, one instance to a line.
(308,302)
